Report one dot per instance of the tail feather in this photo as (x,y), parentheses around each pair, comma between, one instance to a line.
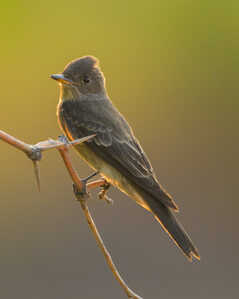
(172,226)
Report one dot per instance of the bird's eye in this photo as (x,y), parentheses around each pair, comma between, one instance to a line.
(86,79)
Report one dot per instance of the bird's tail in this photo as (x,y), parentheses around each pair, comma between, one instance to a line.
(172,226)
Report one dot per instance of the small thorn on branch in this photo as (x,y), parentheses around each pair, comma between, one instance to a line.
(36,156)
(37,174)
(34,152)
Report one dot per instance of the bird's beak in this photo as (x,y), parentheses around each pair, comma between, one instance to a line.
(61,78)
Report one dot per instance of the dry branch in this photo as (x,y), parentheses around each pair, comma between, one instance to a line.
(34,152)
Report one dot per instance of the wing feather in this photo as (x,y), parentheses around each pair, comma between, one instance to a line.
(115,143)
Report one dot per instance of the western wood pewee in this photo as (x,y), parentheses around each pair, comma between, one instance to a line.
(85,109)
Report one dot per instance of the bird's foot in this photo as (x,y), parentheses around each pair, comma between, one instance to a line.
(85,180)
(102,193)
(83,194)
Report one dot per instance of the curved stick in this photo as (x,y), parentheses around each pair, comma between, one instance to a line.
(81,198)
(34,152)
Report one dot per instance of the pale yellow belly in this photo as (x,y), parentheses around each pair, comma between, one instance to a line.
(112,175)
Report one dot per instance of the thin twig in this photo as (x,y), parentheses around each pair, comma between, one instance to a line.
(73,174)
(95,184)
(100,242)
(78,183)
(37,174)
(26,148)
(34,152)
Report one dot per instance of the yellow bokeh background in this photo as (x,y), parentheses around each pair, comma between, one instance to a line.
(171,68)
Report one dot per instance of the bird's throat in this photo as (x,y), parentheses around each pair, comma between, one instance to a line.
(68,92)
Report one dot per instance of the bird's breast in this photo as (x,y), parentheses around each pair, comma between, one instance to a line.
(110,173)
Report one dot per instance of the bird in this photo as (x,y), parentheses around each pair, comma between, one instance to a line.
(115,153)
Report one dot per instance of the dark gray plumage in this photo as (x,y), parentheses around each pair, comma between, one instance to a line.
(85,109)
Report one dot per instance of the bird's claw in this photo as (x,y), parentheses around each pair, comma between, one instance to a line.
(102,193)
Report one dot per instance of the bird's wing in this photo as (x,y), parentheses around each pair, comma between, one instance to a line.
(115,144)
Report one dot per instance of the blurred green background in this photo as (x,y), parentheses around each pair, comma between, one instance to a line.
(172,70)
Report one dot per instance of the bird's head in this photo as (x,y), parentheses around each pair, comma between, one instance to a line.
(83,75)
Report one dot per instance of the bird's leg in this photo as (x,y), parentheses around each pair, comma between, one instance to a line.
(102,193)
(85,180)
(83,194)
